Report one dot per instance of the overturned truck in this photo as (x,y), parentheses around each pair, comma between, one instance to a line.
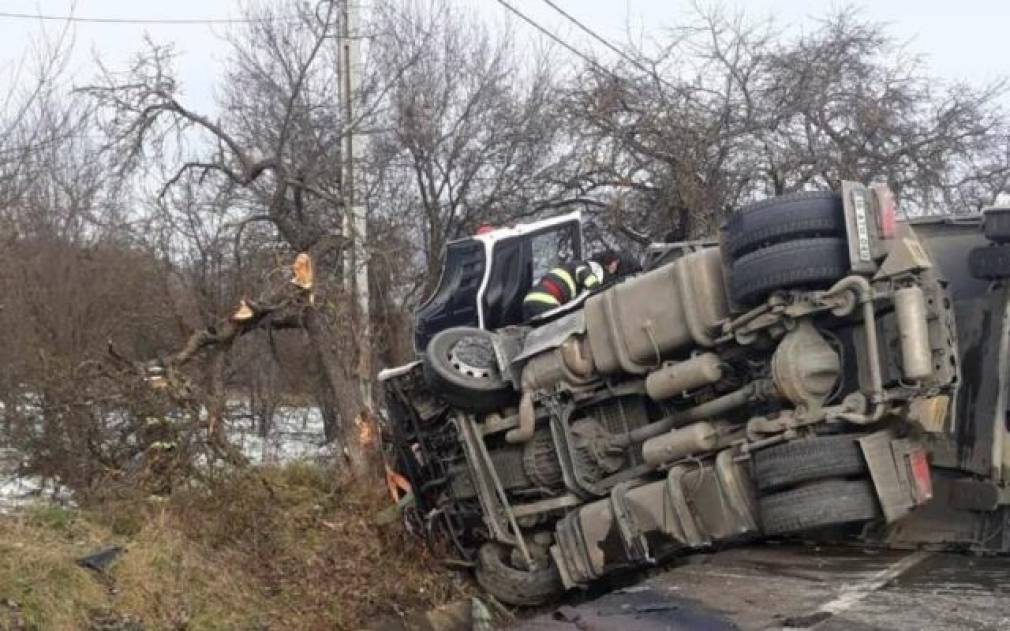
(822,368)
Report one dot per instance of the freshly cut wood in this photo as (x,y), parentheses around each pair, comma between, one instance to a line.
(303,271)
(243,312)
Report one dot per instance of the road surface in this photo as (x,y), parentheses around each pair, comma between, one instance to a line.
(797,587)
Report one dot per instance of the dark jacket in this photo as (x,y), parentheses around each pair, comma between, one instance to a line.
(562,284)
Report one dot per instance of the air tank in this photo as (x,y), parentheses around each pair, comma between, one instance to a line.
(676,378)
(913,329)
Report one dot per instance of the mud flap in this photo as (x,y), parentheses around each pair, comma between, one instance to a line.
(900,472)
(636,546)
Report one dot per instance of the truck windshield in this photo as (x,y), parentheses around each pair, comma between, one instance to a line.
(551,248)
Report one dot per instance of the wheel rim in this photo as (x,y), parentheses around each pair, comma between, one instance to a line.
(473,357)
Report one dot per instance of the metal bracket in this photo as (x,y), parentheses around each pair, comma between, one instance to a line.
(483,485)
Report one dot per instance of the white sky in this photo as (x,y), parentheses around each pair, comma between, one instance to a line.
(961,39)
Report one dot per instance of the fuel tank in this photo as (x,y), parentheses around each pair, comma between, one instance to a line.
(635,325)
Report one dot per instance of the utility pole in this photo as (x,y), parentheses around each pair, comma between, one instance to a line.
(355,220)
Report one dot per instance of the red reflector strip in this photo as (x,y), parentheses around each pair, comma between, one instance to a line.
(919,466)
(888,221)
(887,211)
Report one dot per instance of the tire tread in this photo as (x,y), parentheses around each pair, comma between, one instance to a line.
(996,225)
(808,460)
(818,505)
(990,263)
(512,586)
(785,218)
(805,262)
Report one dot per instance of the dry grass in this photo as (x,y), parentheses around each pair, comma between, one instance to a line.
(40,586)
(312,546)
(172,583)
(283,548)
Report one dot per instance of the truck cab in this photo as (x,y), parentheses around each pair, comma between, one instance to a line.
(485,277)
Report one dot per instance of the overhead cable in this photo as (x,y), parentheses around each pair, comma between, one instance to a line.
(554,37)
(602,40)
(107,20)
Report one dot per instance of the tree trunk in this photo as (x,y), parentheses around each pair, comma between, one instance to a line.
(217,409)
(345,419)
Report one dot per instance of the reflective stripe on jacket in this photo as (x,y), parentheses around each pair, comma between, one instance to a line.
(564,282)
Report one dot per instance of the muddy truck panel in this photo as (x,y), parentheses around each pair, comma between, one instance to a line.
(972,432)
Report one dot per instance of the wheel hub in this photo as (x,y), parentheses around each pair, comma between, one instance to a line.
(473,357)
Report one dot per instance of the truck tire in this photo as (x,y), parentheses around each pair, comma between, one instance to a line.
(990,263)
(808,460)
(513,586)
(460,366)
(815,263)
(786,218)
(818,505)
(996,225)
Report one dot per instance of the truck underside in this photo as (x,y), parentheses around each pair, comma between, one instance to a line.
(821,370)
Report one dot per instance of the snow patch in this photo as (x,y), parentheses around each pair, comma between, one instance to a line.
(295,434)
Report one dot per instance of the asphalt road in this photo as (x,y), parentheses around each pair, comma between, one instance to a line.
(797,587)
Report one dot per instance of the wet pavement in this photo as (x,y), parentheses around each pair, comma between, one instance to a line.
(801,587)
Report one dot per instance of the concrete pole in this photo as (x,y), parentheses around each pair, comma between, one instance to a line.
(355,220)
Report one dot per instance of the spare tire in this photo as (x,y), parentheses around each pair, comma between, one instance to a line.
(808,460)
(818,505)
(806,263)
(789,217)
(990,263)
(996,224)
(461,367)
(514,586)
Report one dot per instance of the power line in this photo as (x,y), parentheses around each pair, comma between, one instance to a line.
(554,37)
(601,39)
(100,20)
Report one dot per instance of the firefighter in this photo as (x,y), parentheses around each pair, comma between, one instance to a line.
(568,280)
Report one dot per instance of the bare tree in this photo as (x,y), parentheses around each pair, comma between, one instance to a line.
(471,131)
(266,171)
(730,109)
(858,106)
